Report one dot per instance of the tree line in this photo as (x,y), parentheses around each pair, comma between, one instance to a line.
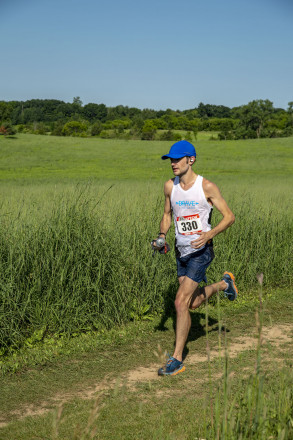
(257,119)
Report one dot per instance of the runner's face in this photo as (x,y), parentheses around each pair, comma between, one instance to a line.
(180,166)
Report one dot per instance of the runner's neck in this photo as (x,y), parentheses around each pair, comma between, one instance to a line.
(187,180)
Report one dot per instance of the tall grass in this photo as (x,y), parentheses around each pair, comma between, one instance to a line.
(84,265)
(83,260)
(262,408)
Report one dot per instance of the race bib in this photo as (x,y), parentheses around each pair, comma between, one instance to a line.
(189,224)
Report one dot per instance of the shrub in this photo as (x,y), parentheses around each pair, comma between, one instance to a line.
(105,134)
(170,136)
(7,129)
(75,128)
(288,131)
(57,129)
(21,128)
(177,137)
(167,136)
(188,136)
(40,128)
(226,136)
(96,128)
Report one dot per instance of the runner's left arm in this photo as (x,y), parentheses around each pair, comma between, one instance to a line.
(214,195)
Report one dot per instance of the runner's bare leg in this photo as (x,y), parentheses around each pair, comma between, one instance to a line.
(189,296)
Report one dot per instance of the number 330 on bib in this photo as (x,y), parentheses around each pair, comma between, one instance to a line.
(189,224)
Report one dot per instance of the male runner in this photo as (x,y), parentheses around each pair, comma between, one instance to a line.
(191,199)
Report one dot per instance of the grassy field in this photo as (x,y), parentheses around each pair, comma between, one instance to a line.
(53,160)
(77,217)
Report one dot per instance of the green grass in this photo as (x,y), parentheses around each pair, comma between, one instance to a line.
(57,159)
(78,215)
(187,406)
(83,302)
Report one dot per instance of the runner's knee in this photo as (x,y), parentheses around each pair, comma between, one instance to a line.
(182,301)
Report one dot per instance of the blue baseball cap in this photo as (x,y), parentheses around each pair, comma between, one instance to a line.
(180,149)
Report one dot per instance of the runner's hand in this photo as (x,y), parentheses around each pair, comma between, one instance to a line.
(201,241)
(155,243)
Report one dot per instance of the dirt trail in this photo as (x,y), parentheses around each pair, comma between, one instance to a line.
(275,335)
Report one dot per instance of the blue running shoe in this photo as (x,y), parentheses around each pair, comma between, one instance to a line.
(172,367)
(231,291)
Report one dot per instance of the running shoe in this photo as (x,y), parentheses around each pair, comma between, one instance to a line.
(231,291)
(172,367)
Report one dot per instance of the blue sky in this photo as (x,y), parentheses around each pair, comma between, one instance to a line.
(155,54)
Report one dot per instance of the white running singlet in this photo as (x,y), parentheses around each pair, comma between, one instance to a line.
(192,214)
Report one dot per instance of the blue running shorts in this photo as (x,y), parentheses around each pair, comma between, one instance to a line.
(194,265)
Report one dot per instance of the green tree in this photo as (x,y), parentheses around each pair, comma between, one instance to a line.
(6,110)
(137,122)
(290,112)
(171,121)
(160,124)
(288,129)
(76,100)
(118,112)
(254,115)
(148,113)
(213,111)
(148,131)
(31,114)
(93,112)
(191,114)
(64,110)
(225,126)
